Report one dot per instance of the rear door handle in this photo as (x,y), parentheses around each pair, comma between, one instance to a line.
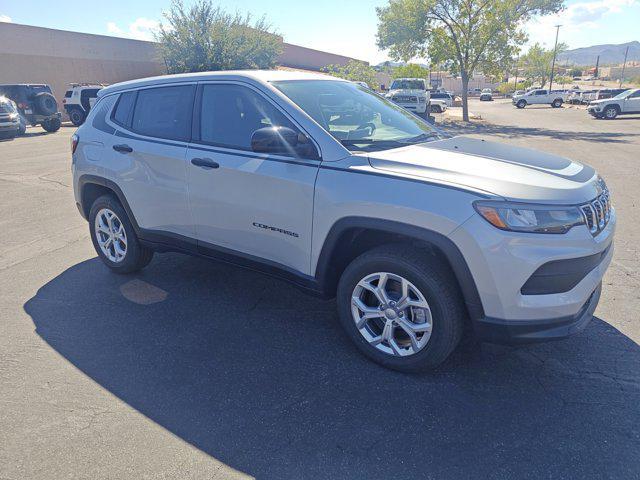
(205,163)
(123,148)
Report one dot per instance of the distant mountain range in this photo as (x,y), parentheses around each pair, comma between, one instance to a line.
(609,54)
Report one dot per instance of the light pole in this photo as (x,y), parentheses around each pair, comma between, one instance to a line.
(624,65)
(553,64)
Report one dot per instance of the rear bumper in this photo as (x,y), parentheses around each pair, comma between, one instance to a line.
(495,330)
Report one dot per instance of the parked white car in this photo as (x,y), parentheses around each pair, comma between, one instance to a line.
(485,95)
(446,97)
(410,93)
(625,103)
(538,97)
(438,106)
(9,118)
(322,183)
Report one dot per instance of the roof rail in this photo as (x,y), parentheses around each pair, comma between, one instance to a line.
(89,84)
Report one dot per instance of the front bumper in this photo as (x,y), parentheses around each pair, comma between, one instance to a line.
(502,263)
(9,126)
(414,107)
(494,330)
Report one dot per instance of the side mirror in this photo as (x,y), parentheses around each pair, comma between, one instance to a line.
(282,141)
(274,140)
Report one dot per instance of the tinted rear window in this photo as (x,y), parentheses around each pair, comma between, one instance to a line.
(164,112)
(68,94)
(124,108)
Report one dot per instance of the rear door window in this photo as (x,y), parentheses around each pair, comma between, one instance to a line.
(164,112)
(124,109)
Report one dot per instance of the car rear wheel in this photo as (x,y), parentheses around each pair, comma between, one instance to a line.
(76,116)
(521,103)
(51,125)
(610,112)
(401,307)
(114,237)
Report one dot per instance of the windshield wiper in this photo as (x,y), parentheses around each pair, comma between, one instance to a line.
(421,138)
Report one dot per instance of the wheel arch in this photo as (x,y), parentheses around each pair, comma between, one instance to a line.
(351,236)
(92,186)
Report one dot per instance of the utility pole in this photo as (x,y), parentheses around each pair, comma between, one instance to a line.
(553,64)
(624,65)
(595,74)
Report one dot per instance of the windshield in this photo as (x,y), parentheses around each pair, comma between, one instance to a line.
(624,94)
(359,118)
(408,85)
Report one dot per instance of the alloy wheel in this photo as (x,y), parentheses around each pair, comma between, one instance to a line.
(111,235)
(391,314)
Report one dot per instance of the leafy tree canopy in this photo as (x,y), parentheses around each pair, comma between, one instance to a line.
(204,38)
(411,70)
(466,35)
(355,71)
(537,63)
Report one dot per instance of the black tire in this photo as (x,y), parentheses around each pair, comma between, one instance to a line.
(557,103)
(434,280)
(52,125)
(45,103)
(436,109)
(76,116)
(521,103)
(610,112)
(137,256)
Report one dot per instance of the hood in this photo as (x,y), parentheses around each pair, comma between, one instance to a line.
(514,173)
(599,102)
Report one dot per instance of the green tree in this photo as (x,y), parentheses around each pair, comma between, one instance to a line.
(575,72)
(355,71)
(410,70)
(537,63)
(468,35)
(205,38)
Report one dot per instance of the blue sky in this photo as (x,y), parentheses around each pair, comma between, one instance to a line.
(341,26)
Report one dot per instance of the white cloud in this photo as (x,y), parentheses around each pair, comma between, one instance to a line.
(5,18)
(575,18)
(140,29)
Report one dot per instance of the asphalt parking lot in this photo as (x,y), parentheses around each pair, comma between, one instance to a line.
(194,369)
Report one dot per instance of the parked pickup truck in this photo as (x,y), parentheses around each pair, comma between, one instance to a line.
(410,93)
(625,103)
(539,97)
(323,183)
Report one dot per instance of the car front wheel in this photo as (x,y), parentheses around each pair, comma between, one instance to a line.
(114,238)
(521,103)
(557,103)
(610,113)
(401,307)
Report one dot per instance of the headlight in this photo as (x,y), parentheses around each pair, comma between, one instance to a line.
(529,218)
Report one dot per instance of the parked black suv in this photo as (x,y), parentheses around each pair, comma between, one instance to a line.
(36,105)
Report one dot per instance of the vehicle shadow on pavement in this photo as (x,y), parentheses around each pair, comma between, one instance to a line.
(486,128)
(259,375)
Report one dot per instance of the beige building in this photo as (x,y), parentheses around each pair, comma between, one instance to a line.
(58,58)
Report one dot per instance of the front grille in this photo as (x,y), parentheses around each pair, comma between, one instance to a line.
(405,99)
(597,212)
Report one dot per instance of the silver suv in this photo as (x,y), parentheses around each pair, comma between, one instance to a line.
(323,183)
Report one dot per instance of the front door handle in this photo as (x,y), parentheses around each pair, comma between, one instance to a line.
(205,163)
(123,148)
